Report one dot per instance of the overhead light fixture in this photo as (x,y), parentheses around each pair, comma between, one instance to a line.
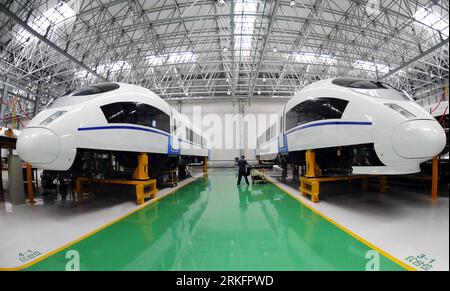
(186,94)
(264,79)
(221,2)
(225,49)
(292,4)
(275,49)
(228,80)
(229,92)
(259,92)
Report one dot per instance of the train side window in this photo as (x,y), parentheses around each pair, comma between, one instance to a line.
(189,135)
(197,138)
(315,109)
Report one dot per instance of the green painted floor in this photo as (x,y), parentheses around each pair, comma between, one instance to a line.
(212,224)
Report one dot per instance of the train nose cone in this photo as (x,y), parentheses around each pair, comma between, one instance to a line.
(417,139)
(38,146)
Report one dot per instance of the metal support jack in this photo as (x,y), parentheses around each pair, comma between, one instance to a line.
(145,187)
(205,166)
(310,183)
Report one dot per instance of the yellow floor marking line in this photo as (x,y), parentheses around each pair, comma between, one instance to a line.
(349,232)
(96,230)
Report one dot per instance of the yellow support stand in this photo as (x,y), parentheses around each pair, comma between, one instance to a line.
(205,166)
(383,184)
(141,172)
(312,169)
(310,183)
(434,179)
(30,184)
(144,186)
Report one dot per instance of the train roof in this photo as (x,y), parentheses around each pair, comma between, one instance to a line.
(96,90)
(367,87)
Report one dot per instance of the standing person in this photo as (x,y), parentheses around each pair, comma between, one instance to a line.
(242,164)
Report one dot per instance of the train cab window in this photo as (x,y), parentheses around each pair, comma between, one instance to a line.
(315,109)
(121,112)
(136,113)
(129,112)
(152,117)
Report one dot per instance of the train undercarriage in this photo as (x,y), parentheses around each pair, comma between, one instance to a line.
(97,164)
(333,161)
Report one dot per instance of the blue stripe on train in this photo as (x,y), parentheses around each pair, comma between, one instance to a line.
(285,148)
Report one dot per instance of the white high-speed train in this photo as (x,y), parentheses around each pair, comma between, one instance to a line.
(79,130)
(355,126)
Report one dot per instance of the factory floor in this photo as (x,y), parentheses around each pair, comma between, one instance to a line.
(212,224)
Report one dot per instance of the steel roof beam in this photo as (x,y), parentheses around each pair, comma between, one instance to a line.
(22,23)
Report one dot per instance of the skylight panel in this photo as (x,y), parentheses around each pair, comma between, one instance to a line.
(55,17)
(432,19)
(244,26)
(183,57)
(115,67)
(371,66)
(312,58)
(102,69)
(172,58)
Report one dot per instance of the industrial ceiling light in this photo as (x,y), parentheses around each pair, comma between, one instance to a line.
(228,80)
(225,49)
(264,79)
(259,92)
(275,49)
(292,4)
(221,2)
(229,92)
(186,94)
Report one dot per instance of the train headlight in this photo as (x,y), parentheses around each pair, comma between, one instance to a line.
(52,117)
(400,110)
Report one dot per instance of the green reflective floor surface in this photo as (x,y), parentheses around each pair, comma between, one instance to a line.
(212,224)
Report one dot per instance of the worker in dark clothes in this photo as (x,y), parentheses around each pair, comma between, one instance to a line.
(242,164)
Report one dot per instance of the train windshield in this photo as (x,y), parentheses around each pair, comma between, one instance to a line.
(373,88)
(82,94)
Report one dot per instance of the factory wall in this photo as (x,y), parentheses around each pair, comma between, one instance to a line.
(229,133)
